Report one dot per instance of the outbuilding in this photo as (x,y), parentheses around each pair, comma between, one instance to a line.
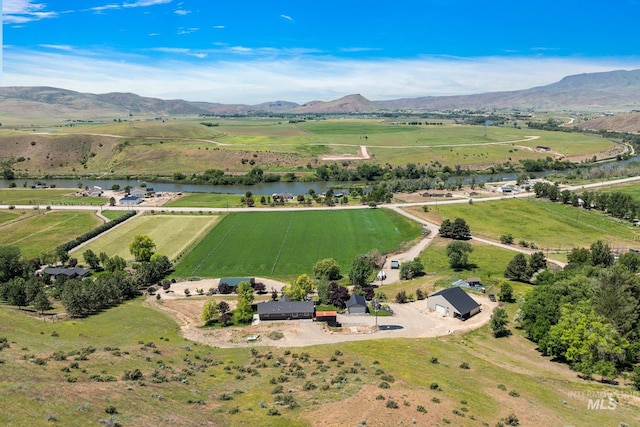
(233,282)
(356,304)
(453,302)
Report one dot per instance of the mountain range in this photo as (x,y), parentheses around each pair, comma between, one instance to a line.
(614,91)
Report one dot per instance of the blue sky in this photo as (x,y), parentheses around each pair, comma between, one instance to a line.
(258,51)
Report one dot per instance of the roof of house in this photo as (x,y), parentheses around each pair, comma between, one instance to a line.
(285,307)
(235,281)
(67,271)
(355,300)
(473,280)
(458,298)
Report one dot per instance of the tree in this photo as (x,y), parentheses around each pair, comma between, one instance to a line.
(360,271)
(586,341)
(10,263)
(506,293)
(142,248)
(458,253)
(41,302)
(631,260)
(16,292)
(518,269)
(323,289)
(243,312)
(460,230)
(327,268)
(537,261)
(506,239)
(113,264)
(299,289)
(601,254)
(210,312)
(339,295)
(578,257)
(499,320)
(91,259)
(411,269)
(616,298)
(63,255)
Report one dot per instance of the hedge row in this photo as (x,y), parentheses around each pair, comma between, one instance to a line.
(95,232)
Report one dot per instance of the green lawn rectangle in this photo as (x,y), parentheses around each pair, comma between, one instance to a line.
(285,244)
(171,234)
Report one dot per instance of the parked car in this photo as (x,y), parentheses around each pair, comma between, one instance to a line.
(381,275)
(395,264)
(492,298)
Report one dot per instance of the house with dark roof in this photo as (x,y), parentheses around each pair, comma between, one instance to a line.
(130,200)
(285,310)
(356,304)
(69,272)
(453,302)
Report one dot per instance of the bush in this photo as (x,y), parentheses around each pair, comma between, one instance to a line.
(464,365)
(422,409)
(434,386)
(392,404)
(111,409)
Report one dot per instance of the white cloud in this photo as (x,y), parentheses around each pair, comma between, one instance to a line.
(146,3)
(287,17)
(182,12)
(64,47)
(245,78)
(23,11)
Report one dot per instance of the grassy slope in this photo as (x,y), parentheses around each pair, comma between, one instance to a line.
(41,233)
(549,225)
(171,233)
(151,343)
(289,243)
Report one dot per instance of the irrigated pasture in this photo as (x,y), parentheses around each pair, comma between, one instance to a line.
(548,225)
(286,244)
(44,231)
(172,234)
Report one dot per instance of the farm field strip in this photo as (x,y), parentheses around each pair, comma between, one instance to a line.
(171,234)
(44,232)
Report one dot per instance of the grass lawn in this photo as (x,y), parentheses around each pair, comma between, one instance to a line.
(172,234)
(286,244)
(185,383)
(486,262)
(208,200)
(549,225)
(49,196)
(6,216)
(113,214)
(44,231)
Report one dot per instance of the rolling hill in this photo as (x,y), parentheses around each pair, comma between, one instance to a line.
(608,91)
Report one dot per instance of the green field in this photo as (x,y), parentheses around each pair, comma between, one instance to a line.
(286,244)
(50,196)
(208,200)
(172,234)
(184,383)
(548,225)
(43,231)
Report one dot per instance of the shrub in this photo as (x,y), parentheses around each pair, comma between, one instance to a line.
(384,385)
(422,409)
(434,360)
(392,404)
(464,365)
(273,412)
(514,393)
(434,386)
(111,409)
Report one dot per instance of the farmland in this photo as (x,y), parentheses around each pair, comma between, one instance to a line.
(46,197)
(285,244)
(548,225)
(41,231)
(172,234)
(188,146)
